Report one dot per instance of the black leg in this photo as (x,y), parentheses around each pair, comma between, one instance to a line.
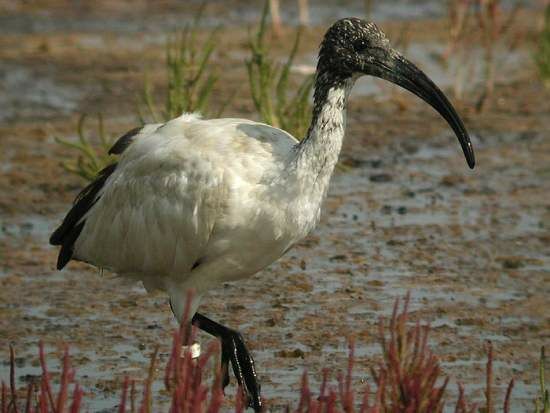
(234,350)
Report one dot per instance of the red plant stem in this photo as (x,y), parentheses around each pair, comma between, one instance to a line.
(171,366)
(506,408)
(199,365)
(178,360)
(460,402)
(406,304)
(381,391)
(365,404)
(13,390)
(323,385)
(342,391)
(489,383)
(216,399)
(45,376)
(3,407)
(417,337)
(239,402)
(28,405)
(184,380)
(43,400)
(133,396)
(146,403)
(64,384)
(198,394)
(393,322)
(331,402)
(176,364)
(305,394)
(123,398)
(77,399)
(381,336)
(349,397)
(434,403)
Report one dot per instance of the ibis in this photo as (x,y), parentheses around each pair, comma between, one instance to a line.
(193,203)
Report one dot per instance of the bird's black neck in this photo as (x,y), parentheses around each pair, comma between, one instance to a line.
(317,154)
(325,82)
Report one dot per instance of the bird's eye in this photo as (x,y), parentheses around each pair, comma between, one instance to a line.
(360,45)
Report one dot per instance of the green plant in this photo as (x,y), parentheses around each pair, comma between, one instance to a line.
(542,54)
(91,158)
(542,404)
(190,81)
(270,85)
(190,78)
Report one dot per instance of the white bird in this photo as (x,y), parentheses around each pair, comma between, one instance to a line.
(193,203)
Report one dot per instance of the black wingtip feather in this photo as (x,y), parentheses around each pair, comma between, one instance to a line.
(67,248)
(69,230)
(124,141)
(55,238)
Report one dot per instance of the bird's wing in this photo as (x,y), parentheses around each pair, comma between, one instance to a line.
(155,210)
(152,210)
(69,230)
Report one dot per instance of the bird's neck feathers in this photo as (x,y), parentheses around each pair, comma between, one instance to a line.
(316,156)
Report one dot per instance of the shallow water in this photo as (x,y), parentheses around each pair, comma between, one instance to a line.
(25,93)
(176,17)
(35,226)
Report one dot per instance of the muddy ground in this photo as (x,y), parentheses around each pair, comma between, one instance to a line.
(404,212)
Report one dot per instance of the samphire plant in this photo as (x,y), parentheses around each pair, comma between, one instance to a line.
(270,84)
(542,403)
(408,378)
(189,83)
(190,77)
(542,54)
(91,158)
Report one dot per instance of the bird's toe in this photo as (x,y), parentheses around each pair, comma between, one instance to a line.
(235,350)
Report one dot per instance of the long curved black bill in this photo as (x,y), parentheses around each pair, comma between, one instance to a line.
(402,72)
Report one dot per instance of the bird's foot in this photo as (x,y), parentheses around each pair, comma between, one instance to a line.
(234,350)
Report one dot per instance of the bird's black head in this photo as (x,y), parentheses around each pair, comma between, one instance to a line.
(353,47)
(350,45)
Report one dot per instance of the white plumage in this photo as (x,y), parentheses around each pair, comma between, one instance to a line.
(193,203)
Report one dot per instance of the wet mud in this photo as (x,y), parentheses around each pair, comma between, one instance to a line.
(404,213)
